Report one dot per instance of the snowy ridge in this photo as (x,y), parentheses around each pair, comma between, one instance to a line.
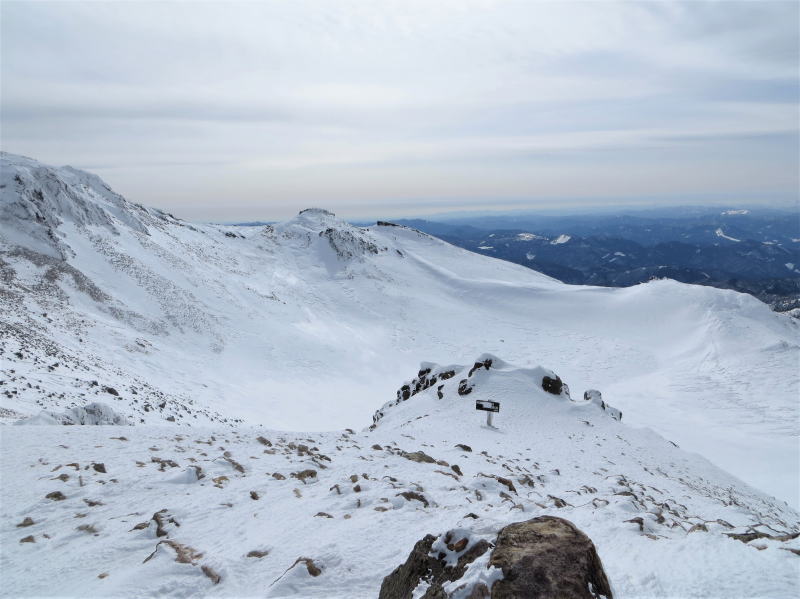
(310,324)
(457,382)
(244,512)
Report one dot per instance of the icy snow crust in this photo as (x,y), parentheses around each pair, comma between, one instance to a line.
(241,502)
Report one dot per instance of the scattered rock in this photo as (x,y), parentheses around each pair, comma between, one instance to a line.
(254,495)
(258,554)
(413,496)
(278,476)
(305,475)
(99,468)
(323,515)
(28,521)
(209,571)
(28,539)
(56,496)
(756,534)
(418,456)
(463,447)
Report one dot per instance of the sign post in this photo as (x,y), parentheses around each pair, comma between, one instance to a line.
(490,407)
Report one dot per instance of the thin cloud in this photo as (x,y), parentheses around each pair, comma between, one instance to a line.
(250,110)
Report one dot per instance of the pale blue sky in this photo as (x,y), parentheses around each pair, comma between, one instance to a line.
(230,110)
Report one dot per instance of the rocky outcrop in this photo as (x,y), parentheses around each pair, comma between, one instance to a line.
(428,376)
(595,397)
(547,558)
(349,245)
(94,413)
(423,567)
(553,385)
(542,558)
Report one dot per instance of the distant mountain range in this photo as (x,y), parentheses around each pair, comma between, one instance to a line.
(755,252)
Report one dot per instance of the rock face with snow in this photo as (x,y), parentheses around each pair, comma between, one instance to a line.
(543,558)
(429,570)
(94,413)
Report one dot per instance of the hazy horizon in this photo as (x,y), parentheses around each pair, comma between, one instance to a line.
(247,111)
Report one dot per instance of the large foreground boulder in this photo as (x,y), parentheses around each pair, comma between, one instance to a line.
(547,558)
(542,558)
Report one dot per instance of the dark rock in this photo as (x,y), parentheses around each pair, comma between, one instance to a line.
(28,539)
(592,394)
(464,447)
(56,496)
(28,521)
(111,391)
(99,468)
(547,558)
(421,566)
(487,364)
(464,388)
(552,385)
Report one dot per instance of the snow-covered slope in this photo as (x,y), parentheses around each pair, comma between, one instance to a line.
(307,325)
(148,511)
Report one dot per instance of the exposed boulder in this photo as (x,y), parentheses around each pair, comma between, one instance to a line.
(547,558)
(429,566)
(542,558)
(553,385)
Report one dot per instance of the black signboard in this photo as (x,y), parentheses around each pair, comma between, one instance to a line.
(487,406)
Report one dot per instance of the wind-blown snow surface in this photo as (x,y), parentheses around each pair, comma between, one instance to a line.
(146,508)
(307,325)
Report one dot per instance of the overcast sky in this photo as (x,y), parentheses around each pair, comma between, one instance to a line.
(231,111)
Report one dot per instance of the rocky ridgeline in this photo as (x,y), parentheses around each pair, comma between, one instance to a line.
(433,376)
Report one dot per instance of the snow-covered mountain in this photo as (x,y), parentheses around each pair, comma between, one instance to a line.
(146,511)
(114,313)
